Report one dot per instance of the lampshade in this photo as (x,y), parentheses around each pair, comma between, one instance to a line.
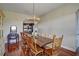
(34,19)
(13,28)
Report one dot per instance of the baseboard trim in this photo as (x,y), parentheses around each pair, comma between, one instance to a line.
(4,54)
(68,48)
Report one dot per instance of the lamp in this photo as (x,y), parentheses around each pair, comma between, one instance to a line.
(13,29)
(34,18)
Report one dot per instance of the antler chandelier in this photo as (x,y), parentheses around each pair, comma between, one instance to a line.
(34,18)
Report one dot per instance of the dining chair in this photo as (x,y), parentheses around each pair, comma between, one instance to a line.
(56,45)
(23,35)
(25,50)
(34,48)
(13,38)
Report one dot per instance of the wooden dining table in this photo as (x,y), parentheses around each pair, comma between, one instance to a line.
(42,41)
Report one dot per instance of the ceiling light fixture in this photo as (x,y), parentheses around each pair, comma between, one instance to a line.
(34,18)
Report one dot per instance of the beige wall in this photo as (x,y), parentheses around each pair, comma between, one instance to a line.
(12,18)
(61,21)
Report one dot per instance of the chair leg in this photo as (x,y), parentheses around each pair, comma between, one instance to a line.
(42,53)
(8,47)
(29,52)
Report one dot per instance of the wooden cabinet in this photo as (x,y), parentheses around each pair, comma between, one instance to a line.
(2,44)
(28,27)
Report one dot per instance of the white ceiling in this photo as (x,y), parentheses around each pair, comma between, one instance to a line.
(27,8)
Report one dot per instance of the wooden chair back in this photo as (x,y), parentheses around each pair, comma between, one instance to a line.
(25,49)
(23,35)
(57,42)
(31,44)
